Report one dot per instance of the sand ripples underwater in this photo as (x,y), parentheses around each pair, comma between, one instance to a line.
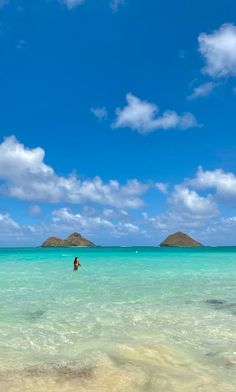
(127,369)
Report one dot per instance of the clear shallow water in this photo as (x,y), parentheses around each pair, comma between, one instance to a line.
(156,320)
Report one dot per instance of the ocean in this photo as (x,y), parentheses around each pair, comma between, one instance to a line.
(129,320)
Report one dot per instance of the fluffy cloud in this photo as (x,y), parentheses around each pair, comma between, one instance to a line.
(187,210)
(65,219)
(7,223)
(223,183)
(202,91)
(191,204)
(27,177)
(142,116)
(100,113)
(161,186)
(229,221)
(9,229)
(217,231)
(171,221)
(13,233)
(219,51)
(111,213)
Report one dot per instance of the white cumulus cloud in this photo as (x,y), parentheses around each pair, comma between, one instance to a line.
(143,117)
(64,220)
(202,90)
(224,183)
(7,223)
(65,216)
(189,202)
(161,186)
(10,230)
(26,177)
(187,209)
(219,51)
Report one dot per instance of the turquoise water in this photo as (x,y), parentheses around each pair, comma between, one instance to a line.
(131,319)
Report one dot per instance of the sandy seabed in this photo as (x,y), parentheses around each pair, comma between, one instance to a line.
(128,369)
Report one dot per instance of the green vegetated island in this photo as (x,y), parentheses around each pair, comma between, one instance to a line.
(178,239)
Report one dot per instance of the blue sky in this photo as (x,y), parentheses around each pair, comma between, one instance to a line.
(117,120)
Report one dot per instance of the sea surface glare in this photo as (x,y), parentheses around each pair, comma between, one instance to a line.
(130,320)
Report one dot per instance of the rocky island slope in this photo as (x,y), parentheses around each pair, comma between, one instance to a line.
(74,239)
(180,239)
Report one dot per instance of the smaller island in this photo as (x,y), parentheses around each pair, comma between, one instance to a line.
(180,239)
(73,240)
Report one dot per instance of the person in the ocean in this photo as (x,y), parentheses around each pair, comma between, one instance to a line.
(76,264)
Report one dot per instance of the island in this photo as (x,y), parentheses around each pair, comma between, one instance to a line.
(73,240)
(180,239)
